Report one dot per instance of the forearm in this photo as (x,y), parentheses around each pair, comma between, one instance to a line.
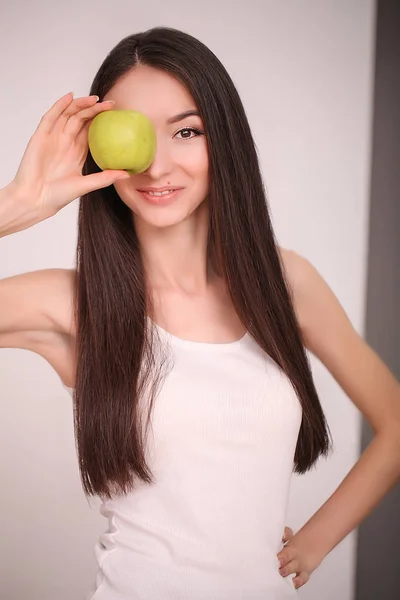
(16,213)
(375,473)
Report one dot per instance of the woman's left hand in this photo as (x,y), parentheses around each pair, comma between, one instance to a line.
(297,557)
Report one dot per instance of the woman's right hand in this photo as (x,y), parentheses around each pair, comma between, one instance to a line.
(50,173)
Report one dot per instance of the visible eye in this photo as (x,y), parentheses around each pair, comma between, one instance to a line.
(191,130)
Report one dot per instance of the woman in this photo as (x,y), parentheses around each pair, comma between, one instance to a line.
(182,336)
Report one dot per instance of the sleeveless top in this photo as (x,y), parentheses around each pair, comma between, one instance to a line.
(223,434)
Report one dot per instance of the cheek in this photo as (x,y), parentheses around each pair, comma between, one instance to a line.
(199,172)
(126,192)
(194,159)
(122,188)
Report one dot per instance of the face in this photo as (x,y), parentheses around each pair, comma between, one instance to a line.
(181,159)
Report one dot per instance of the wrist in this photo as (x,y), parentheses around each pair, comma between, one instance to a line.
(17,212)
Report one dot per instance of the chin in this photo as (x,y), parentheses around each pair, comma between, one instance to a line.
(162,218)
(169,215)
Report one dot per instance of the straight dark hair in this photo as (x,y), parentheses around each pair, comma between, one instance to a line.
(116,362)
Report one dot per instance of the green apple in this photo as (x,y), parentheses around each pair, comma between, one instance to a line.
(122,139)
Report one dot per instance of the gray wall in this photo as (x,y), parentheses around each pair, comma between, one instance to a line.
(378,562)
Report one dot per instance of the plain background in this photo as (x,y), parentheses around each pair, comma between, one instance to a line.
(304,71)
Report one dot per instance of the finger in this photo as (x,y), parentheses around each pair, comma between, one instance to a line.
(291,567)
(300,579)
(75,108)
(88,183)
(288,533)
(79,104)
(49,119)
(287,554)
(74,124)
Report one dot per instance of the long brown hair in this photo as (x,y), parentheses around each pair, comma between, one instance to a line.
(116,360)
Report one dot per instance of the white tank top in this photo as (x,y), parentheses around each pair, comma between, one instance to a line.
(221,446)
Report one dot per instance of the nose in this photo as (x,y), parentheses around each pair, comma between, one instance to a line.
(162,162)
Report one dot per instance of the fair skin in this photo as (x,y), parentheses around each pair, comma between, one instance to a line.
(190,301)
(173,238)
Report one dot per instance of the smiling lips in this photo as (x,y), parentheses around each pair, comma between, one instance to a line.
(160,195)
(160,189)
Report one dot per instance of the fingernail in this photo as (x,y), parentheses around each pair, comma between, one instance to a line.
(97,98)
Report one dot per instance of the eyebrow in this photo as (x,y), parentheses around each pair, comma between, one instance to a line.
(181,116)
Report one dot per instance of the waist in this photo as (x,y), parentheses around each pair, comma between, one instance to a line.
(126,574)
(195,517)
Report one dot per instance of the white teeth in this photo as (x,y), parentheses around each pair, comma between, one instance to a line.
(160,193)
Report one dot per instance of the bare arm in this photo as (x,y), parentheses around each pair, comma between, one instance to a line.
(36,301)
(50,173)
(36,307)
(16,213)
(375,391)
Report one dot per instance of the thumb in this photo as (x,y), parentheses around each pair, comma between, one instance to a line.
(97,181)
(288,534)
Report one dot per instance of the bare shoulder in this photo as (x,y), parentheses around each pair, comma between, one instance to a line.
(37,314)
(294,266)
(321,317)
(330,335)
(308,288)
(288,258)
(38,301)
